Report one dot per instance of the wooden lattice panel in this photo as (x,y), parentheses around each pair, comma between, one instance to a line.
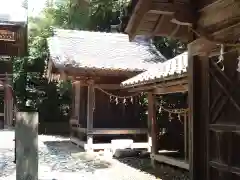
(224,123)
(6,35)
(13,40)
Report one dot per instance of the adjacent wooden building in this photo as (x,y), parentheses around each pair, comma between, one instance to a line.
(13,43)
(211,29)
(96,63)
(169,77)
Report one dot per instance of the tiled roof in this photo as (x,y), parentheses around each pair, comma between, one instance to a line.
(175,67)
(98,50)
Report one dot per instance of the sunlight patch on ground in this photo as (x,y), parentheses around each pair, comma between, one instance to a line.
(59,159)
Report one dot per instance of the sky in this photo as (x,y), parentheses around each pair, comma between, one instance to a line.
(12,9)
(35,7)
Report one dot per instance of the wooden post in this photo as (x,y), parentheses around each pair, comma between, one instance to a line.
(90,104)
(150,95)
(72,110)
(189,139)
(77,101)
(191,101)
(8,102)
(26,137)
(153,120)
(197,115)
(185,137)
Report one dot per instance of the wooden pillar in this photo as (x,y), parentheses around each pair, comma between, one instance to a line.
(185,137)
(77,101)
(72,111)
(197,115)
(150,95)
(153,122)
(8,102)
(26,137)
(90,108)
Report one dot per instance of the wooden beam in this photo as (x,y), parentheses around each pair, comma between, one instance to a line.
(202,47)
(140,10)
(149,86)
(171,161)
(225,128)
(181,13)
(102,131)
(158,25)
(230,34)
(225,167)
(174,31)
(206,45)
(219,14)
(171,89)
(102,86)
(162,8)
(108,86)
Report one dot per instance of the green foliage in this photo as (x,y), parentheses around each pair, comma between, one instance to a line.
(169,47)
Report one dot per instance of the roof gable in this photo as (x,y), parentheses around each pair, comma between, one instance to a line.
(98,50)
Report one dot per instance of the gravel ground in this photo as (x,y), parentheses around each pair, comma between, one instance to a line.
(59,159)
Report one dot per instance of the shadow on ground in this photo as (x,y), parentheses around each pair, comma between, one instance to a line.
(66,157)
(6,162)
(161,171)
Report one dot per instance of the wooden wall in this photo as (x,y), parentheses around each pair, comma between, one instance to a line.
(109,114)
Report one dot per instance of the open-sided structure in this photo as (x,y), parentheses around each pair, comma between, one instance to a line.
(97,63)
(169,77)
(208,26)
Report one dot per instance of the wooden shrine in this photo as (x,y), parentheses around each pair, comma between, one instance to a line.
(211,29)
(97,63)
(13,43)
(169,77)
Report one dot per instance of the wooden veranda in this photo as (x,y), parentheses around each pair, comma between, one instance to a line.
(96,65)
(211,29)
(169,77)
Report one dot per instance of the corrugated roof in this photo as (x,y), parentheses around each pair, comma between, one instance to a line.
(98,50)
(172,68)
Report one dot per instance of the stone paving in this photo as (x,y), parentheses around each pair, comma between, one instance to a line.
(61,160)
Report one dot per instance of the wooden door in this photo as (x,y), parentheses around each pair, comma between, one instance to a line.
(215,114)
